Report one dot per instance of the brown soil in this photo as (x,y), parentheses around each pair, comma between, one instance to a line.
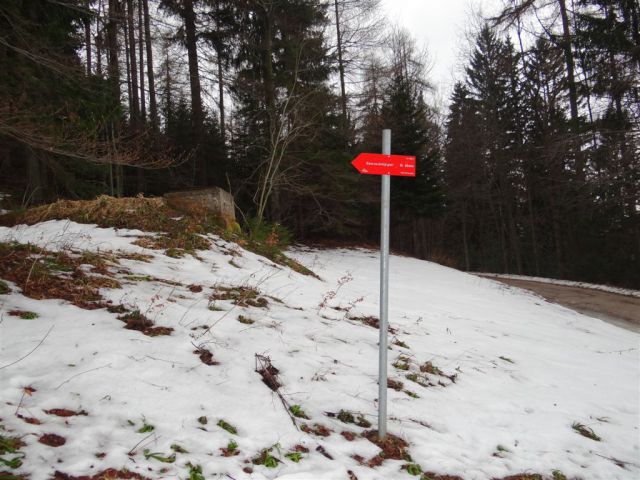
(433,476)
(392,447)
(206,356)
(109,474)
(42,274)
(350,436)
(621,310)
(317,429)
(52,440)
(63,412)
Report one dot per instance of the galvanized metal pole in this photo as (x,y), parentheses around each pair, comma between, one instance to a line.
(384,290)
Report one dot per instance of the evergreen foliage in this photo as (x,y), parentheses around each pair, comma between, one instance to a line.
(535,170)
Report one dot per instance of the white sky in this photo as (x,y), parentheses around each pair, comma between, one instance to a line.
(439,25)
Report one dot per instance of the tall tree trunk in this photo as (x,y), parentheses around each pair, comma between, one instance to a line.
(127,65)
(197,113)
(114,74)
(267,69)
(532,232)
(112,45)
(465,241)
(37,179)
(153,107)
(573,89)
(87,41)
(133,67)
(143,103)
(270,97)
(223,126)
(343,91)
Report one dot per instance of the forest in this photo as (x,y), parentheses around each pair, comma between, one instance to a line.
(531,167)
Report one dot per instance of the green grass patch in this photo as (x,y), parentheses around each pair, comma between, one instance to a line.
(24,315)
(585,431)
(295,457)
(195,472)
(159,456)
(146,427)
(245,320)
(228,427)
(298,412)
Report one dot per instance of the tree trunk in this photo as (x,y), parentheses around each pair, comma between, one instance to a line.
(133,67)
(87,40)
(343,91)
(465,241)
(35,192)
(197,114)
(153,108)
(573,89)
(112,45)
(270,100)
(267,70)
(223,126)
(143,103)
(127,65)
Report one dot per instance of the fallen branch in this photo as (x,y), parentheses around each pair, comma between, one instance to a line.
(269,375)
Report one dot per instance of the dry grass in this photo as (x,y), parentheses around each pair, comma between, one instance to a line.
(148,214)
(178,234)
(42,274)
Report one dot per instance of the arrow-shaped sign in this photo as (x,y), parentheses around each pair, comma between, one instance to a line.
(380,164)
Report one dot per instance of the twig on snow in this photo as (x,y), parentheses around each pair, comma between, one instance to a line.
(33,350)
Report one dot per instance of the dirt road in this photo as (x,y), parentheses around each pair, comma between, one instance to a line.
(621,310)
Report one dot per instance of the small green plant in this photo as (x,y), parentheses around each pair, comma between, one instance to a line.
(400,343)
(558,475)
(401,366)
(215,308)
(346,417)
(195,472)
(429,367)
(585,431)
(158,456)
(363,422)
(4,288)
(146,427)
(232,445)
(294,456)
(24,315)
(178,449)
(414,469)
(265,458)
(412,394)
(245,320)
(139,278)
(11,445)
(175,252)
(228,427)
(297,411)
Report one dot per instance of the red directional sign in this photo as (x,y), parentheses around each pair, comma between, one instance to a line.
(380,164)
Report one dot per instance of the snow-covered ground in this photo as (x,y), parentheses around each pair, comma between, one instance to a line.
(525,371)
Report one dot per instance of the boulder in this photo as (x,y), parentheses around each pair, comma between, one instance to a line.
(212,201)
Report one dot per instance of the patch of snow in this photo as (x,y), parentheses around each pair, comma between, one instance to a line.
(526,370)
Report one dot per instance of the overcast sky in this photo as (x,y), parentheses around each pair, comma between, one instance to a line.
(439,25)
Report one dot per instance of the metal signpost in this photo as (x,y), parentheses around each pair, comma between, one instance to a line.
(385,165)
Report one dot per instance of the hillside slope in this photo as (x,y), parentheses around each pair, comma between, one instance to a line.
(489,381)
